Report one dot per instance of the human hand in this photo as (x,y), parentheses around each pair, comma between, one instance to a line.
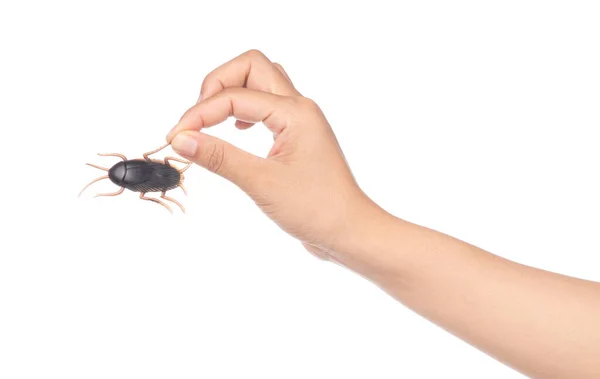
(306,187)
(304,184)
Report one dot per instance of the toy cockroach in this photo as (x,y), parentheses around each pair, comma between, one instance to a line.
(144,175)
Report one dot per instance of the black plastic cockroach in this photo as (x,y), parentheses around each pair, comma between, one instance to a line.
(144,175)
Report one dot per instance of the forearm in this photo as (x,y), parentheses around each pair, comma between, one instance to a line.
(543,324)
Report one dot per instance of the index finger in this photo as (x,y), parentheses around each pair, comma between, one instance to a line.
(244,104)
(252,70)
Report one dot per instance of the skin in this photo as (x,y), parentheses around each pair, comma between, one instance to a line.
(542,324)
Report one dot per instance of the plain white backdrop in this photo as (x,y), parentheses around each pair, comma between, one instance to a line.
(478,119)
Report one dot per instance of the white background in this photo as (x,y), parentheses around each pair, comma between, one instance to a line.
(475,118)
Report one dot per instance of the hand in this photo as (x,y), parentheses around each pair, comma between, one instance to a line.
(304,184)
(306,187)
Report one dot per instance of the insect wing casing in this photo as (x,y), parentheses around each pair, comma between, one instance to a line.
(145,176)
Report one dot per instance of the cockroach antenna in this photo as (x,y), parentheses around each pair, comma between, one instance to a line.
(144,175)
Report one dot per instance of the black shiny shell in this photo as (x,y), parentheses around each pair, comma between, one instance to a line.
(144,176)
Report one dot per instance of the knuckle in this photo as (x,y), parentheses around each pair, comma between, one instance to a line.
(289,105)
(216,159)
(293,104)
(211,76)
(306,104)
(208,79)
(305,110)
(255,53)
(290,101)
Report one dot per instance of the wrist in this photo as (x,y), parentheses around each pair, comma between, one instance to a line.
(371,241)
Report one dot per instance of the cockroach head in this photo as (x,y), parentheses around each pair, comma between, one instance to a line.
(117,173)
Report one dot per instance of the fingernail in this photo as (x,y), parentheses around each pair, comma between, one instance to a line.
(184,145)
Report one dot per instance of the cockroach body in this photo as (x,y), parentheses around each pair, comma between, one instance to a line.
(144,175)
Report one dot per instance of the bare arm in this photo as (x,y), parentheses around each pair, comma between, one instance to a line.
(543,324)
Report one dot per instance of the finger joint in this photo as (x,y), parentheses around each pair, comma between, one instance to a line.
(216,158)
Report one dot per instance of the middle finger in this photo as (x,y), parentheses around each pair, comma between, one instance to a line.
(252,70)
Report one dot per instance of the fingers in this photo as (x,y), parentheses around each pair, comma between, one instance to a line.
(243,125)
(252,70)
(282,71)
(244,104)
(222,158)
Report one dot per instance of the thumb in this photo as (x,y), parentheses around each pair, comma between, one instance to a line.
(220,157)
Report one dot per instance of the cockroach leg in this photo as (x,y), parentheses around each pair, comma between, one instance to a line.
(112,193)
(93,165)
(92,182)
(113,155)
(188,163)
(182,188)
(173,200)
(156,201)
(154,151)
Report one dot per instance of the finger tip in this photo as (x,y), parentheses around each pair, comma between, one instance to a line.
(172,133)
(184,144)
